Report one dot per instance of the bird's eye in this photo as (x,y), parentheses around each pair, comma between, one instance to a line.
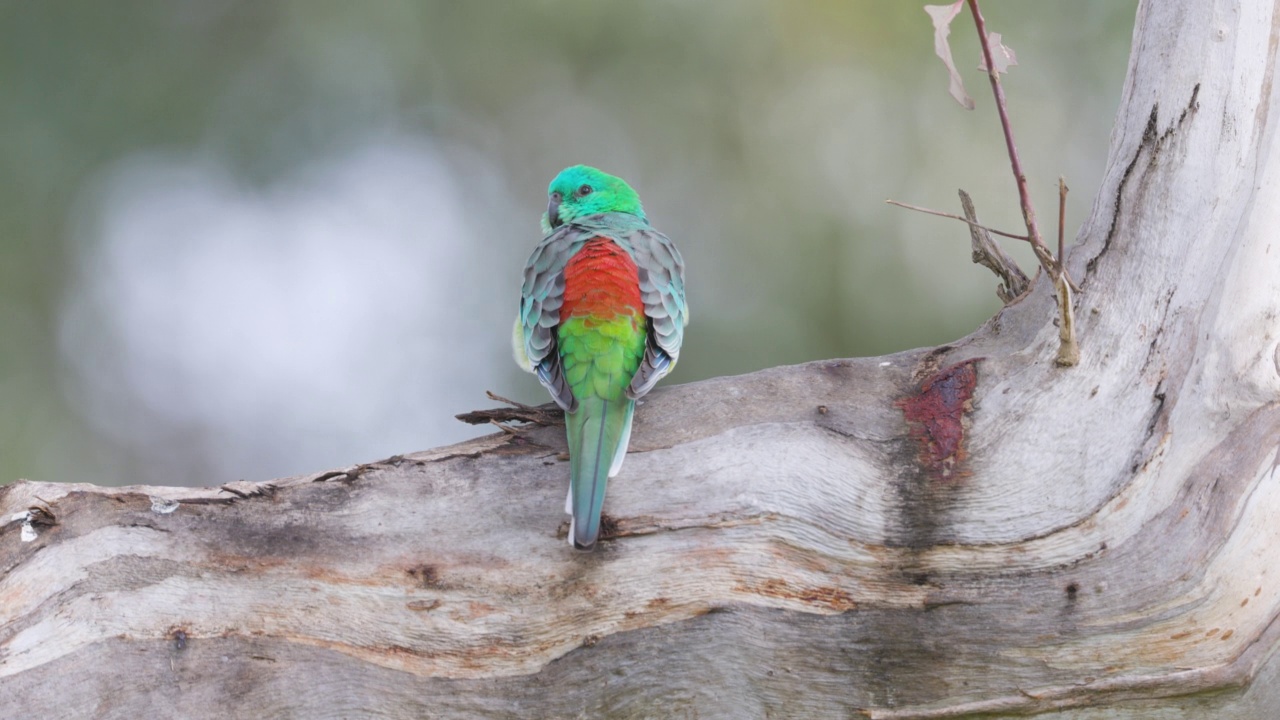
(584,191)
(556,196)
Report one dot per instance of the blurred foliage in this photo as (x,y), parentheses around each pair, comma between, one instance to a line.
(763,138)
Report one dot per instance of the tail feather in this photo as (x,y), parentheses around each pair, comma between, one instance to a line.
(621,453)
(598,433)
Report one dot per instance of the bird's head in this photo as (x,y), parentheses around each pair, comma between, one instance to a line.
(580,190)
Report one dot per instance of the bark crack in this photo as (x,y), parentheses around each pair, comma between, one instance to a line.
(1153,140)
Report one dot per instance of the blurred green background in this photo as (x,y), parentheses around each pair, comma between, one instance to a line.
(246,239)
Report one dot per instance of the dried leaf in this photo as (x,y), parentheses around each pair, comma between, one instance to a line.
(942,16)
(1001,54)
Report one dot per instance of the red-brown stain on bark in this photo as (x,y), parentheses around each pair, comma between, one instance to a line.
(936,414)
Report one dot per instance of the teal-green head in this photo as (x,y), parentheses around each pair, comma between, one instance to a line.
(580,191)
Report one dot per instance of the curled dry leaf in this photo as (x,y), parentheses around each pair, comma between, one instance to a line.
(1002,55)
(942,16)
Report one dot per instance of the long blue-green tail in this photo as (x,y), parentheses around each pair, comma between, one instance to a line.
(598,434)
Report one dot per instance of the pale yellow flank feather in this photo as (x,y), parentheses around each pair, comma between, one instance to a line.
(517,346)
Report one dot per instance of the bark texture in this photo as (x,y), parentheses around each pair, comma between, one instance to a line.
(938,533)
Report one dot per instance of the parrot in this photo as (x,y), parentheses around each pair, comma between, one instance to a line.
(601,320)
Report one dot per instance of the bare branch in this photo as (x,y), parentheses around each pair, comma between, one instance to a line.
(971,223)
(1068,351)
(988,253)
(1028,212)
(547,414)
(1062,215)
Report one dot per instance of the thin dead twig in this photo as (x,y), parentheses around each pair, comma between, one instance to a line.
(970,221)
(548,414)
(1062,215)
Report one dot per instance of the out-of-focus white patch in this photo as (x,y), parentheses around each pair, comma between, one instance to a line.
(161,506)
(342,314)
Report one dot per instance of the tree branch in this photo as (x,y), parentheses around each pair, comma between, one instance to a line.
(1068,348)
(990,255)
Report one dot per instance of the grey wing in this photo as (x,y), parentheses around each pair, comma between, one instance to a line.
(661,271)
(541,296)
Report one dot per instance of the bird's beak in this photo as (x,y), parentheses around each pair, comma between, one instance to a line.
(553,213)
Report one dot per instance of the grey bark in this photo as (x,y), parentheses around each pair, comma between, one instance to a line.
(939,533)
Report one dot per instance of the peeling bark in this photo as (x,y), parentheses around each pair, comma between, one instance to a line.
(938,533)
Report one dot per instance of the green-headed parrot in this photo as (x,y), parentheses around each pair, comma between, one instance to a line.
(602,316)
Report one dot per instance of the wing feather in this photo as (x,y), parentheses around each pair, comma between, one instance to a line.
(661,271)
(541,297)
(661,275)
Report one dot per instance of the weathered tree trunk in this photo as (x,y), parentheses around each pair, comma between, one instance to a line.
(941,532)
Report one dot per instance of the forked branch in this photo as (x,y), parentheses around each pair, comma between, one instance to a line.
(1068,348)
(986,252)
